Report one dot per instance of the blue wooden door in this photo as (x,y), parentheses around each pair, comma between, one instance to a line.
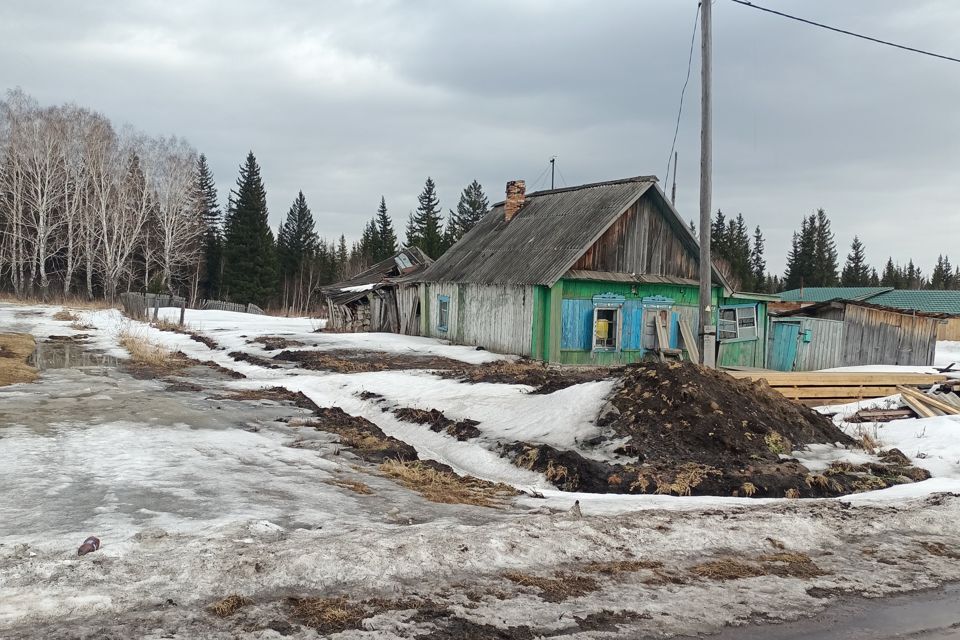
(786,336)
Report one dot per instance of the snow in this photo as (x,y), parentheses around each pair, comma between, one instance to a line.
(358,288)
(194,501)
(947,353)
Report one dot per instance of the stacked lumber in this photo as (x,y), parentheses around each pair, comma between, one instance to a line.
(928,405)
(817,388)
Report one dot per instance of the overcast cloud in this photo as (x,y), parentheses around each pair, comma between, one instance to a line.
(351,100)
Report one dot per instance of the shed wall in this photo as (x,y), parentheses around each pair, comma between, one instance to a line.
(876,336)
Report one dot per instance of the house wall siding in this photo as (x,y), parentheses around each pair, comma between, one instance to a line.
(641,241)
(496,317)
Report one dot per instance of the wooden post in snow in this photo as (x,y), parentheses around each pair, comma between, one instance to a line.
(707,328)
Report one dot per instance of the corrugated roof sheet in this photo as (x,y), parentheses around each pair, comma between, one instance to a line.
(822,294)
(929,301)
(550,232)
(811,310)
(378,274)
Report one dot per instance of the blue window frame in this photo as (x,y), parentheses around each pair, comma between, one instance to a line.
(443,313)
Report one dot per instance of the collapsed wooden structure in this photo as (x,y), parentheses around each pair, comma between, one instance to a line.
(381,298)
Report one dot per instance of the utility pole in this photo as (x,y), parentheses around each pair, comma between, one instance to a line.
(553,165)
(673,190)
(707,328)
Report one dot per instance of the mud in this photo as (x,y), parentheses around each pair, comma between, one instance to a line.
(693,431)
(459,429)
(347,361)
(361,436)
(241,356)
(543,378)
(273,343)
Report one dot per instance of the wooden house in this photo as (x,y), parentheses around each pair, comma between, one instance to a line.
(841,333)
(372,300)
(579,276)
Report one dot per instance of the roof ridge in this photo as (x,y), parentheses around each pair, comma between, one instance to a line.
(589,185)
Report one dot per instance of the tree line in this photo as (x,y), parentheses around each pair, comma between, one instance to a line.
(92,210)
(813,260)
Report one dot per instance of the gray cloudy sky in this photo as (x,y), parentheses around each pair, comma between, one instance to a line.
(351,100)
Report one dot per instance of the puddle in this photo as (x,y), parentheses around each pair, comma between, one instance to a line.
(68,355)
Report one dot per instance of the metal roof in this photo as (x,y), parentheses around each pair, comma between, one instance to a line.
(379,275)
(547,236)
(811,310)
(927,300)
(822,294)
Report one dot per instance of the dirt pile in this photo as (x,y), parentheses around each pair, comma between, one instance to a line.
(366,439)
(461,430)
(543,378)
(347,361)
(693,431)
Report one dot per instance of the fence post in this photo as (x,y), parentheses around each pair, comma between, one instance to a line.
(183,311)
(156,308)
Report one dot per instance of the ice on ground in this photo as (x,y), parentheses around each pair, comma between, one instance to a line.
(947,353)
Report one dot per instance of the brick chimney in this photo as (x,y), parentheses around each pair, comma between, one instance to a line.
(516,195)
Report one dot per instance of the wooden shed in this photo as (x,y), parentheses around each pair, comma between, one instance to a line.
(378,298)
(582,275)
(841,333)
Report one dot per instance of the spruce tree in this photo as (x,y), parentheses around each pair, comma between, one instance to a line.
(342,258)
(718,234)
(825,252)
(874,278)
(388,239)
(204,199)
(427,222)
(297,239)
(471,208)
(250,260)
(412,233)
(856,271)
(758,265)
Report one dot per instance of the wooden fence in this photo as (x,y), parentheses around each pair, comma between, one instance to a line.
(138,305)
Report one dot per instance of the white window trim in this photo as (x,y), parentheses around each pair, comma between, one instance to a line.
(741,332)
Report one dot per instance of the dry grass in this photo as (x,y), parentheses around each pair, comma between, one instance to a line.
(74,302)
(785,564)
(353,485)
(941,550)
(446,487)
(15,348)
(65,316)
(152,356)
(615,567)
(79,326)
(726,569)
(168,325)
(558,588)
(228,606)
(328,615)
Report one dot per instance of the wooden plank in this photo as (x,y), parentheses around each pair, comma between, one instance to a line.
(836,392)
(921,409)
(836,378)
(689,341)
(930,401)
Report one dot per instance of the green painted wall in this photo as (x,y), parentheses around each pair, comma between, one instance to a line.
(682,295)
(748,353)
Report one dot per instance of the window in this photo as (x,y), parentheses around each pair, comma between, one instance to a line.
(737,323)
(606,329)
(443,312)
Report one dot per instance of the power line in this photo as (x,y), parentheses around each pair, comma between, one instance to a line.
(746,3)
(676,130)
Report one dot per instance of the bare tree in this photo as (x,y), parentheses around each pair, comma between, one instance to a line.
(179,228)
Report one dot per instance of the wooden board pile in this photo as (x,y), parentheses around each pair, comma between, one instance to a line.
(939,401)
(819,388)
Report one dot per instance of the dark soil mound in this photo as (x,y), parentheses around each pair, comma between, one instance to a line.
(695,431)
(347,361)
(241,356)
(273,343)
(366,439)
(534,374)
(461,430)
